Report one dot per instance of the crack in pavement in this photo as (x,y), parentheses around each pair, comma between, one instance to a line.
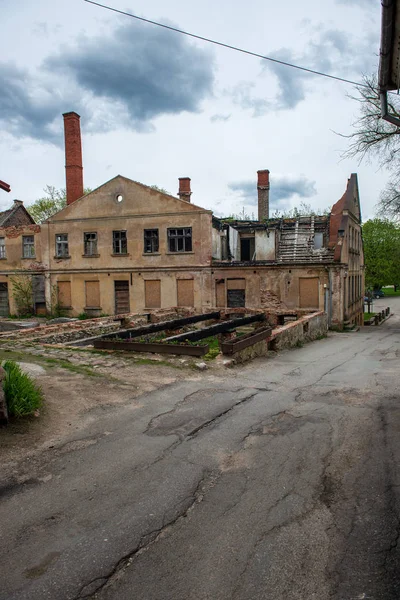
(93,587)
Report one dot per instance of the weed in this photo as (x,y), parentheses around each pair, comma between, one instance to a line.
(299,344)
(23,396)
(83,316)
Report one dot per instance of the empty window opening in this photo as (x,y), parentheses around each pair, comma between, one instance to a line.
(247,248)
(318,241)
(120,245)
(90,243)
(180,240)
(150,241)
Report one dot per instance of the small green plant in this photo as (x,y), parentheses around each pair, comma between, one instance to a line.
(56,309)
(83,316)
(299,344)
(23,396)
(22,291)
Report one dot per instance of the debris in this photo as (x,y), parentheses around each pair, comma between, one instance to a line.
(201,366)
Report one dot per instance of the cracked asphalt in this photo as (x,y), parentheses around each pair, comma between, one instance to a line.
(277,480)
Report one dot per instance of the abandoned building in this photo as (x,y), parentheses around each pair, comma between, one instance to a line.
(126,247)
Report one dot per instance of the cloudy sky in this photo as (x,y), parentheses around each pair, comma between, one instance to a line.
(156,105)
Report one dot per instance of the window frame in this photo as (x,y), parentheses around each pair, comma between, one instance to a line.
(174,240)
(152,238)
(62,244)
(120,245)
(3,254)
(28,245)
(89,243)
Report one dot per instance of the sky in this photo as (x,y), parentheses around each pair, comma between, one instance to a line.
(156,105)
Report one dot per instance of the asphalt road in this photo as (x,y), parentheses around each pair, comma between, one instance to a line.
(278,481)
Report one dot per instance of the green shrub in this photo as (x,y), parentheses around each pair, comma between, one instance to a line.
(23,396)
(83,316)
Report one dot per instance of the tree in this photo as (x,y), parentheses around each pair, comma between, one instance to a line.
(160,189)
(375,137)
(54,200)
(303,210)
(381,253)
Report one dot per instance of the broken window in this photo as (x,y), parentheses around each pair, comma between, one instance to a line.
(318,240)
(62,245)
(90,243)
(120,245)
(28,246)
(2,247)
(180,240)
(150,241)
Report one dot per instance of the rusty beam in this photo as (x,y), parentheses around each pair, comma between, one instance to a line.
(4,186)
(237,344)
(152,347)
(154,327)
(200,334)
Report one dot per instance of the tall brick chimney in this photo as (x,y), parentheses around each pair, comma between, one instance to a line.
(263,194)
(73,157)
(184,189)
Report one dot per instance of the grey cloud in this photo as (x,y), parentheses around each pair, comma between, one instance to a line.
(218,117)
(282,189)
(26,113)
(148,70)
(124,79)
(330,51)
(243,96)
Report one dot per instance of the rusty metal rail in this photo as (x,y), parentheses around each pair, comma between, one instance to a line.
(237,344)
(200,334)
(154,327)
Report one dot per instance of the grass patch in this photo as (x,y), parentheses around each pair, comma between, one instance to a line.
(389,291)
(23,396)
(368,315)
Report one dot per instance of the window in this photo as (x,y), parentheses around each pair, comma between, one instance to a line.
(150,241)
(28,246)
(180,240)
(318,240)
(62,245)
(119,242)
(247,248)
(90,243)
(2,247)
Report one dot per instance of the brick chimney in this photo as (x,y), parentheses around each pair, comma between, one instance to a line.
(184,189)
(263,194)
(73,157)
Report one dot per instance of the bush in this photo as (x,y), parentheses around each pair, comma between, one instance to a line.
(23,396)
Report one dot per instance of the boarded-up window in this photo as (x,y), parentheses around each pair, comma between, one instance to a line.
(309,292)
(64,294)
(92,294)
(152,293)
(220,294)
(236,293)
(185,292)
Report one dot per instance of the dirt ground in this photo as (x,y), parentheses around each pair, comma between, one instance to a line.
(76,387)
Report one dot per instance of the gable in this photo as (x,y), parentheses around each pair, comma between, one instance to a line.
(17,216)
(122,197)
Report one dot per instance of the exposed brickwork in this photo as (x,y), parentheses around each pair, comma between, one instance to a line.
(184,189)
(73,157)
(263,194)
(17,231)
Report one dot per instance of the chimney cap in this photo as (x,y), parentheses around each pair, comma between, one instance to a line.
(18,202)
(71,114)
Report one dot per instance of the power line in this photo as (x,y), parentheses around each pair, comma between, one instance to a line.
(210,41)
